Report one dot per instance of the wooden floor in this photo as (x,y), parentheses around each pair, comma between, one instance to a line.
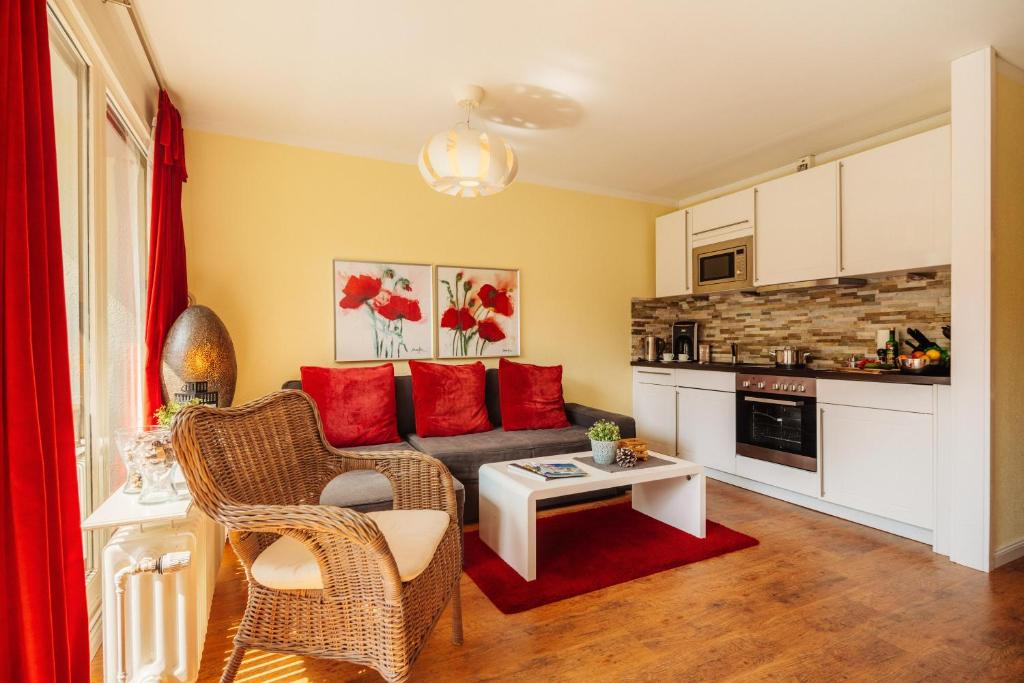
(820,599)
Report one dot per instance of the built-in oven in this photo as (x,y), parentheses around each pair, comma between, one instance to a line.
(776,420)
(723,266)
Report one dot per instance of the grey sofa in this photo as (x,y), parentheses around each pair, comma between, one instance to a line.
(466,453)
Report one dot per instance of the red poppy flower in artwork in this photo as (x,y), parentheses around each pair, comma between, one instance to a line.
(489,330)
(458,319)
(358,290)
(495,299)
(399,307)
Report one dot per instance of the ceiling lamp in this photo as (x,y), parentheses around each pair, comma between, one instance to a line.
(465,162)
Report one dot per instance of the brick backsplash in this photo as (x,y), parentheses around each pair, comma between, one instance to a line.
(832,324)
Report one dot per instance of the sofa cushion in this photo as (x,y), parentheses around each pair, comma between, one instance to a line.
(449,399)
(465,454)
(412,537)
(368,490)
(531,396)
(356,405)
(403,400)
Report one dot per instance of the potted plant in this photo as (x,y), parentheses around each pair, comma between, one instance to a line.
(604,438)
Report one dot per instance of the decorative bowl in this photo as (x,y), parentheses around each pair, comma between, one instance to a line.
(915,366)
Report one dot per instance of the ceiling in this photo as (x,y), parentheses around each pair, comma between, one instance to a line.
(655,99)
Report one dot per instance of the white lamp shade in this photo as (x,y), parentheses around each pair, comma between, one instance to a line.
(464,162)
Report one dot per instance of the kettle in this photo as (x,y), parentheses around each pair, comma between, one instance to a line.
(653,348)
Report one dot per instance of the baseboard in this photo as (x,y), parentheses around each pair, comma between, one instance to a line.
(910,531)
(1008,553)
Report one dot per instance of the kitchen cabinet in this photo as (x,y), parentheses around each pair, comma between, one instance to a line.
(706,431)
(878,461)
(895,212)
(654,410)
(672,254)
(734,210)
(797,227)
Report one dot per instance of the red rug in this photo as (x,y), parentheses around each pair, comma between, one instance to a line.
(585,551)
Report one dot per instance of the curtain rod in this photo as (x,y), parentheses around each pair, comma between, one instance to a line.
(143,39)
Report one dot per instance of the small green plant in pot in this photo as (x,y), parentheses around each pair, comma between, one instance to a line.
(165,414)
(604,438)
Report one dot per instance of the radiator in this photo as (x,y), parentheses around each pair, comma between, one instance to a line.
(165,614)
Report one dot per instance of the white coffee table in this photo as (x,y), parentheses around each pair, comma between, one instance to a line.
(673,493)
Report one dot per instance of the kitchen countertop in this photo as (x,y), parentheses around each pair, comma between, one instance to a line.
(765,369)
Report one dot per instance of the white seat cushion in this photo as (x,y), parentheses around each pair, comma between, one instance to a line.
(412,536)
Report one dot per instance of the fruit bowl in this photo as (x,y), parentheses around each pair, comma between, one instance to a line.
(915,366)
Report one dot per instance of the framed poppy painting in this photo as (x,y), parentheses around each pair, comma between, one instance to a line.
(477,312)
(382,311)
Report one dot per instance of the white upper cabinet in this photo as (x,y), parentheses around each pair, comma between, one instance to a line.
(797,227)
(896,206)
(734,210)
(672,255)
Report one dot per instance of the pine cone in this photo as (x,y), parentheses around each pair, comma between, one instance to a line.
(625,457)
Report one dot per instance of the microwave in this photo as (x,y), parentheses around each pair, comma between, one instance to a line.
(723,266)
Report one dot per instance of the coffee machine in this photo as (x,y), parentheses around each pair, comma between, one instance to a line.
(685,338)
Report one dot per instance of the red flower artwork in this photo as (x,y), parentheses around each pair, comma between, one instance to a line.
(496,299)
(399,308)
(358,290)
(388,311)
(477,312)
(490,331)
(458,319)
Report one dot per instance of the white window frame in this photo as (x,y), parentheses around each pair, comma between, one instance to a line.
(104,91)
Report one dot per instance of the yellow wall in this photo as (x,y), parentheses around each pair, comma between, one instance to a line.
(1008,311)
(263,222)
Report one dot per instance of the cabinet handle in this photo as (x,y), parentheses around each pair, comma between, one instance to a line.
(675,437)
(652,372)
(756,279)
(821,451)
(839,218)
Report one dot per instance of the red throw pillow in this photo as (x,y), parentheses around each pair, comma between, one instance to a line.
(357,405)
(449,399)
(531,396)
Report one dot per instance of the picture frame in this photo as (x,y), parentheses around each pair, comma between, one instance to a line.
(383,310)
(478,312)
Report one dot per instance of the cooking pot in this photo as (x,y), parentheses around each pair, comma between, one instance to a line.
(788,357)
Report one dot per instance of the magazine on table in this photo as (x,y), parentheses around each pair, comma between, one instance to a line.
(546,471)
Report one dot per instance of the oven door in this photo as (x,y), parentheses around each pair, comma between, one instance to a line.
(778,429)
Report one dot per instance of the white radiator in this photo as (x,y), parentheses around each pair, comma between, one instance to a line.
(165,614)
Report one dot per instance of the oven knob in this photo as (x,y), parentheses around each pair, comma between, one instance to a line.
(801,388)
(790,387)
(746,384)
(760,385)
(775,386)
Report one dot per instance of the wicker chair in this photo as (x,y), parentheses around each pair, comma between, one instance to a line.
(259,469)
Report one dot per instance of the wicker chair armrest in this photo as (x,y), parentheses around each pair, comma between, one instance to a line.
(420,481)
(345,543)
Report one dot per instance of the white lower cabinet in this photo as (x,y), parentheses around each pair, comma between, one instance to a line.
(879,461)
(706,432)
(876,445)
(654,410)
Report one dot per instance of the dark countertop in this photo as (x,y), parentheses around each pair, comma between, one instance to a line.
(765,369)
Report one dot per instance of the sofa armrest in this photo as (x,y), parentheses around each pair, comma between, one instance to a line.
(584,416)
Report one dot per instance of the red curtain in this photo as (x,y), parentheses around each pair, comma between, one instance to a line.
(167,286)
(44,631)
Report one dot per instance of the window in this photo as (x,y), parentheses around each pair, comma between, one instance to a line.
(104,273)
(69,74)
(124,285)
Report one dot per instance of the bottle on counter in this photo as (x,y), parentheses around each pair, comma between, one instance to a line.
(892,348)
